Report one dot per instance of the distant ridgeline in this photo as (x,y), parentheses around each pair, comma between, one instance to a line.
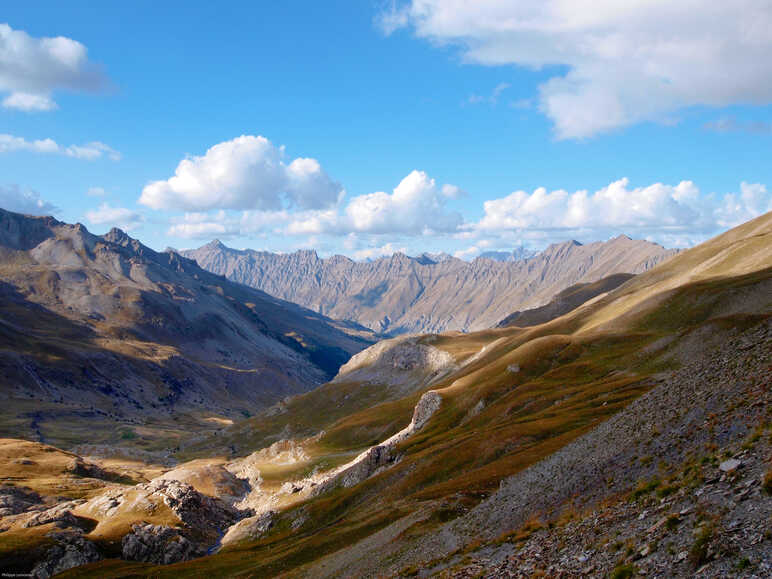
(430,293)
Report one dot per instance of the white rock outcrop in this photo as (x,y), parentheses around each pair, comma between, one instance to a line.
(407,363)
(376,457)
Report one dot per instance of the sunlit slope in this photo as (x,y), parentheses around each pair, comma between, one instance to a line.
(739,251)
(567,300)
(516,396)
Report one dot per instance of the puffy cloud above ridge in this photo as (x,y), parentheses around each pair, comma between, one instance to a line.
(673,214)
(245,188)
(247,172)
(416,206)
(122,217)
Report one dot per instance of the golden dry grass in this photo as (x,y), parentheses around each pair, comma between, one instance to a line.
(44,469)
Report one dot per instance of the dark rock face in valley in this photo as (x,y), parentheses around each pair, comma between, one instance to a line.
(94,328)
(565,301)
(401,294)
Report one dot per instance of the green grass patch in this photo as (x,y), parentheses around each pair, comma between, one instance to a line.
(645,488)
(624,571)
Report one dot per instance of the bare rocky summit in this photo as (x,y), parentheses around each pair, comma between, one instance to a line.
(401,294)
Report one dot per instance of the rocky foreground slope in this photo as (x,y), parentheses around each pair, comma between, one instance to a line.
(680,481)
(401,294)
(103,339)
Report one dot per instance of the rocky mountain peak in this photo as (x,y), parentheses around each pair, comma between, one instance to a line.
(307,254)
(117,236)
(400,257)
(215,244)
(424,294)
(339,259)
(435,257)
(19,231)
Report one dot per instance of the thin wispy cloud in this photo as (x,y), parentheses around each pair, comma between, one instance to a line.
(87,151)
(732,125)
(643,61)
(492,98)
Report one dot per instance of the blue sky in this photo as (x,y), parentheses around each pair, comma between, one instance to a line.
(416,115)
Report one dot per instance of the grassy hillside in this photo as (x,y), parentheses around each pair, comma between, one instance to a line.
(518,395)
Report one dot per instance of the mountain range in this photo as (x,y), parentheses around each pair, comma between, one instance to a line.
(95,329)
(400,294)
(621,428)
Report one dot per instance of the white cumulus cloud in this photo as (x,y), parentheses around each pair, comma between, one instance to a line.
(31,69)
(677,214)
(415,206)
(27,102)
(621,62)
(736,208)
(122,217)
(418,208)
(88,151)
(248,172)
(200,225)
(14,198)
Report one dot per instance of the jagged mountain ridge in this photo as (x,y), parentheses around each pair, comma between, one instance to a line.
(401,294)
(104,326)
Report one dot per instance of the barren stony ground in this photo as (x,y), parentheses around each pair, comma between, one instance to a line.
(672,448)
(715,525)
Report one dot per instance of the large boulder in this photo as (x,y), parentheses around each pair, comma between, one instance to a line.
(70,550)
(250,528)
(15,500)
(158,544)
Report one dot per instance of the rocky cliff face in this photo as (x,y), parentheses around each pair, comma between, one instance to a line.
(401,294)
